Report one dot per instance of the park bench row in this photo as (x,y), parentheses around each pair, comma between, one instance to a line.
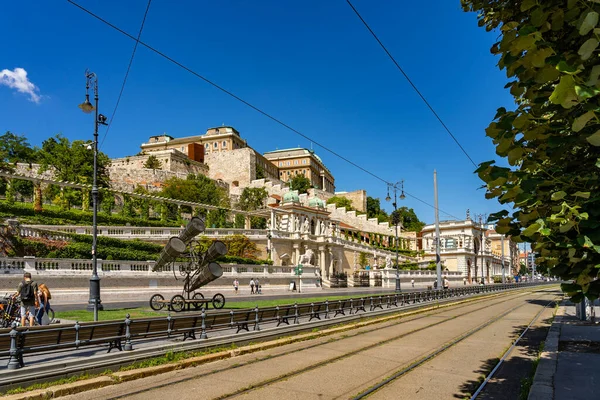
(15,342)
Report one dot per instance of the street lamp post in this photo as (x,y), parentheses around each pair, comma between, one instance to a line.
(396,221)
(94,303)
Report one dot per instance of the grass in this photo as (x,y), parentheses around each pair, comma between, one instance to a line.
(146,312)
(61,381)
(527,382)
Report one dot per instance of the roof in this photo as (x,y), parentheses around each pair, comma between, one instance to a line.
(300,151)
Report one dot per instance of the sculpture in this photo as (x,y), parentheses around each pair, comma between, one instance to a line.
(307,257)
(305,225)
(293,224)
(388,261)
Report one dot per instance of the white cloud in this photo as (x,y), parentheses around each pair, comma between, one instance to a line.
(17,79)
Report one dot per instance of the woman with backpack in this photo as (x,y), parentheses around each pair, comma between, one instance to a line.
(45,296)
(28,291)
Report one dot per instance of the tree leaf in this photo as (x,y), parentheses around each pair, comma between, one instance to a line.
(594,76)
(558,195)
(594,139)
(531,229)
(527,4)
(585,195)
(589,23)
(581,121)
(585,92)
(564,93)
(566,68)
(515,155)
(565,228)
(587,48)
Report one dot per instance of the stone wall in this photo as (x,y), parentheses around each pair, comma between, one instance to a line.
(357,197)
(236,167)
(170,160)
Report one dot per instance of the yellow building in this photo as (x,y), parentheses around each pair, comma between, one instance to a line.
(299,161)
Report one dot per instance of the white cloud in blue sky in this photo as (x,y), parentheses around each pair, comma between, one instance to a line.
(17,79)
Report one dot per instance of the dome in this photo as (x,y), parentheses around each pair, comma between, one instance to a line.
(316,202)
(291,197)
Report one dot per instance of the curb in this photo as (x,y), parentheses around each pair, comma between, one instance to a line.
(64,390)
(543,380)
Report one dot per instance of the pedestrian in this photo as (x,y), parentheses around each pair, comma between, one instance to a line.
(446,283)
(435,284)
(465,281)
(236,285)
(412,282)
(257,284)
(28,291)
(44,307)
(251,285)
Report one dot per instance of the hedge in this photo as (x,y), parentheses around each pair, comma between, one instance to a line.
(52,216)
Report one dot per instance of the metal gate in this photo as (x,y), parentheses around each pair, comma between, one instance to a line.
(361,279)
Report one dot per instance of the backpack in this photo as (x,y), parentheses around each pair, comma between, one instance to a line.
(27,291)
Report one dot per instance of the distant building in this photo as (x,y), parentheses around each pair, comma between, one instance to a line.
(300,161)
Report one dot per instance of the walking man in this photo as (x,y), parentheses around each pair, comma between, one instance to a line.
(28,290)
(251,285)
(412,282)
(257,284)
(236,285)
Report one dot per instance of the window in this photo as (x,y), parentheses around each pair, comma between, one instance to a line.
(281,163)
(288,163)
(303,161)
(224,144)
(206,146)
(216,145)
(295,162)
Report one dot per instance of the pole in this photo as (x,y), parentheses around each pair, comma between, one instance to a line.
(438,263)
(398,289)
(481,245)
(502,245)
(94,303)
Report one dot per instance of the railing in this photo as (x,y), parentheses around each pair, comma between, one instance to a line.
(16,342)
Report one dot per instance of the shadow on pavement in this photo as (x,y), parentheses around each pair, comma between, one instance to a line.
(514,377)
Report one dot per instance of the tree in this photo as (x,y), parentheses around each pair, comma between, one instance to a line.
(15,148)
(72,162)
(363,259)
(374,210)
(552,138)
(407,218)
(253,199)
(195,188)
(341,201)
(152,163)
(300,183)
(523,269)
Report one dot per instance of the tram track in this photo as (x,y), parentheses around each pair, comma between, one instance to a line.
(300,371)
(445,347)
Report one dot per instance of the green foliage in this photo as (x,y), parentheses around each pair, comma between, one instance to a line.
(260,172)
(341,201)
(14,149)
(195,188)
(252,199)
(374,210)
(363,259)
(523,269)
(300,183)
(152,162)
(72,162)
(552,138)
(408,218)
(51,215)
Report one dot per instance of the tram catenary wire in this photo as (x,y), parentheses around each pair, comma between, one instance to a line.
(247,103)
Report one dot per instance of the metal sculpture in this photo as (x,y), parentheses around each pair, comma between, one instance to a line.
(199,269)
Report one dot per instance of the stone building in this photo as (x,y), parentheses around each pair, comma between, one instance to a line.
(299,161)
(466,247)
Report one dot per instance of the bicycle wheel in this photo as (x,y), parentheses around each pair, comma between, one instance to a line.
(157,302)
(51,316)
(177,303)
(198,296)
(218,301)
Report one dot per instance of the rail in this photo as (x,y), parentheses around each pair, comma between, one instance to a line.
(16,342)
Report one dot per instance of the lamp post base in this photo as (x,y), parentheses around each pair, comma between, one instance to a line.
(94,295)
(398,289)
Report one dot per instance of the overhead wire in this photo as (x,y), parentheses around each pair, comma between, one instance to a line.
(231,94)
(135,46)
(411,82)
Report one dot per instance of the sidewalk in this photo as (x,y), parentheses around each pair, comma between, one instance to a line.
(569,366)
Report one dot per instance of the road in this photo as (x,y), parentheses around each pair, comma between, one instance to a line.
(438,355)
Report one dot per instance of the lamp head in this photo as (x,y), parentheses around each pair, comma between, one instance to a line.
(402,196)
(86,106)
(89,146)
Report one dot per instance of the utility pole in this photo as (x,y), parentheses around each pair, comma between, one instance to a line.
(503,270)
(438,263)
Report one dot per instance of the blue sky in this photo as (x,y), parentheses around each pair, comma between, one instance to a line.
(311,64)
